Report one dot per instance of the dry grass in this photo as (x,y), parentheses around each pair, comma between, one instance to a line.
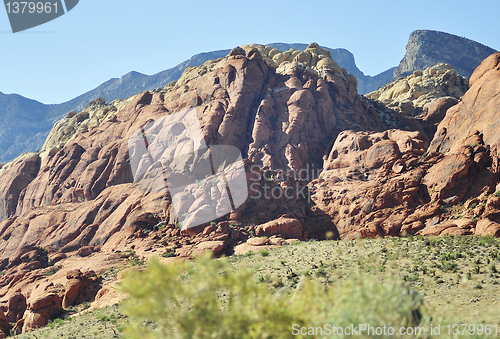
(458,277)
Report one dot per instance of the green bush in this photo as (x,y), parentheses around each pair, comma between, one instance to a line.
(213,301)
(52,270)
(55,323)
(264,253)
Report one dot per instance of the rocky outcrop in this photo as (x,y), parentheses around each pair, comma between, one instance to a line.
(16,307)
(426,48)
(75,123)
(96,201)
(371,182)
(345,59)
(384,184)
(44,303)
(80,287)
(77,203)
(412,95)
(47,299)
(477,111)
(17,175)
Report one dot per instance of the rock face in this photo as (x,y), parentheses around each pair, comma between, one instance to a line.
(25,123)
(372,182)
(413,94)
(378,184)
(88,202)
(478,110)
(474,158)
(18,175)
(76,202)
(426,48)
(346,60)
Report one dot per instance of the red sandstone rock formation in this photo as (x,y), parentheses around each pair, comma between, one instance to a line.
(77,208)
(80,200)
(384,184)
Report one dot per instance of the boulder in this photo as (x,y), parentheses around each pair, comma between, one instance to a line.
(80,287)
(287,227)
(487,227)
(257,241)
(43,304)
(410,229)
(245,248)
(73,289)
(216,247)
(16,307)
(436,110)
(85,251)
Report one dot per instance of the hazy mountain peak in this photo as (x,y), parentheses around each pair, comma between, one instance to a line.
(426,48)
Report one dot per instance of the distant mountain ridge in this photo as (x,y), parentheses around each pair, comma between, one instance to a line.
(25,123)
(131,83)
(28,136)
(135,82)
(426,48)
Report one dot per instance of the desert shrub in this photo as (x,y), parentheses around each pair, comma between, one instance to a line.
(55,323)
(264,253)
(487,240)
(52,270)
(214,301)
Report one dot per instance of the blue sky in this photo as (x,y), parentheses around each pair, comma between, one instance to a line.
(103,39)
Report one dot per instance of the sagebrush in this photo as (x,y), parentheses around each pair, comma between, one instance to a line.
(207,299)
